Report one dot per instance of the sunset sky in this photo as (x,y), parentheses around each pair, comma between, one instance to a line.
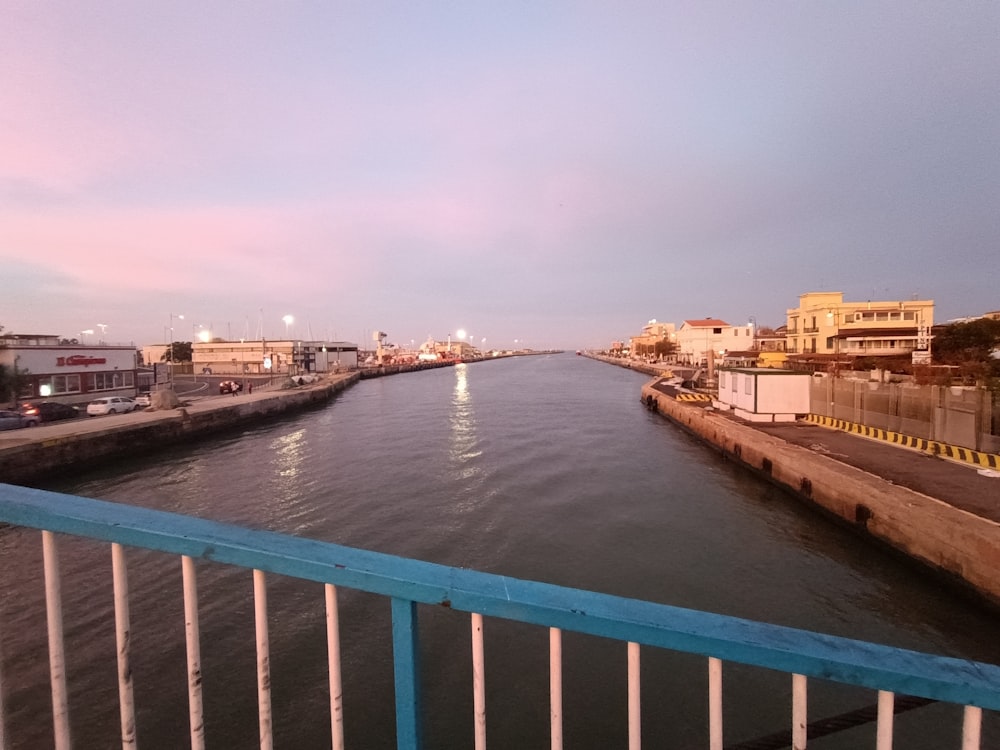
(558,173)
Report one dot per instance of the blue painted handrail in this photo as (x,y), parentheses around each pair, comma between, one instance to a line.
(409,582)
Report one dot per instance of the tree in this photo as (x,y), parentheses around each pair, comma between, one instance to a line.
(664,347)
(970,345)
(12,380)
(178,351)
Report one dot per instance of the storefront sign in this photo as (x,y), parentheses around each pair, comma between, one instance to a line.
(77,360)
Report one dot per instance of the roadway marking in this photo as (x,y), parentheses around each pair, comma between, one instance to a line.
(934,447)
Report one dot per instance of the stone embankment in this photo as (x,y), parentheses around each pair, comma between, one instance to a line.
(956,535)
(379,371)
(26,455)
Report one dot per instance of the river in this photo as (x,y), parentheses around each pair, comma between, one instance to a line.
(543,467)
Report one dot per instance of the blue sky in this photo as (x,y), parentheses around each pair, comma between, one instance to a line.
(557,173)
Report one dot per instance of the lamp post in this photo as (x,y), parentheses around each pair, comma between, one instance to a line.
(170,349)
(84,334)
(288,320)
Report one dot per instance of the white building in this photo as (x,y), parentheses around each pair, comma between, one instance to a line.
(696,338)
(761,394)
(265,357)
(69,373)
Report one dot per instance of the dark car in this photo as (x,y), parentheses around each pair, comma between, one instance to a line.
(49,411)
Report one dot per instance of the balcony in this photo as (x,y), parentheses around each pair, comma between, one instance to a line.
(894,674)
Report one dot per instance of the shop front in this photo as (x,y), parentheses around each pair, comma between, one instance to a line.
(69,373)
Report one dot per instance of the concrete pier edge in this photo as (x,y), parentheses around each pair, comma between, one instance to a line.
(28,454)
(960,546)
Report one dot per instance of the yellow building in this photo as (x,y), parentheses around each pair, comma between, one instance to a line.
(824,324)
(655,339)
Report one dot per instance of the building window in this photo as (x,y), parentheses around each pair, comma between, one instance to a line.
(909,316)
(722,380)
(749,386)
(60,384)
(109,381)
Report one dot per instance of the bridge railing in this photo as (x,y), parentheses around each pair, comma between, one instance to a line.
(409,583)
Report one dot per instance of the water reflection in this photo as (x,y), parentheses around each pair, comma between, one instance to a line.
(464,450)
(289,453)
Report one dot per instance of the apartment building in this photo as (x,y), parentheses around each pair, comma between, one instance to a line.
(656,338)
(696,338)
(825,324)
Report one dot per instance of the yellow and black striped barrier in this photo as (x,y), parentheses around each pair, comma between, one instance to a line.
(966,455)
(692,397)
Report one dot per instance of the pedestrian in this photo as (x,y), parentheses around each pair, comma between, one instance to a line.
(250,388)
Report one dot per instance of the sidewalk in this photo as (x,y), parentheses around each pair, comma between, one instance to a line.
(951,481)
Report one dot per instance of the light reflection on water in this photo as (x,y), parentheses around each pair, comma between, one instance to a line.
(545,468)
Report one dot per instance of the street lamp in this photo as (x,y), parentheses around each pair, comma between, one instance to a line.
(83,334)
(170,349)
(104,330)
(288,319)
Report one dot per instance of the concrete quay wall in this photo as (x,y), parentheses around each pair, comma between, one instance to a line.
(964,547)
(40,451)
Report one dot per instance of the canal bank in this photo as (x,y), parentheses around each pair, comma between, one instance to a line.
(59,447)
(932,511)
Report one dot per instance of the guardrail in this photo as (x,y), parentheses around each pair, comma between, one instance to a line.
(409,583)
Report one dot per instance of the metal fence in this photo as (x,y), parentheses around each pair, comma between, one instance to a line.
(411,583)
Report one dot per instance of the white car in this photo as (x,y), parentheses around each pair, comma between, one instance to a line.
(110,405)
(143,399)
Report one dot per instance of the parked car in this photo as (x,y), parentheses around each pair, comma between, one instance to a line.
(143,399)
(229,386)
(49,411)
(110,405)
(13,420)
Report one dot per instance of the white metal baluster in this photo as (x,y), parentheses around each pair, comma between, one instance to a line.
(263,660)
(333,649)
(634,699)
(195,708)
(800,712)
(555,688)
(972,725)
(126,702)
(3,732)
(479,681)
(57,654)
(714,703)
(886,715)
